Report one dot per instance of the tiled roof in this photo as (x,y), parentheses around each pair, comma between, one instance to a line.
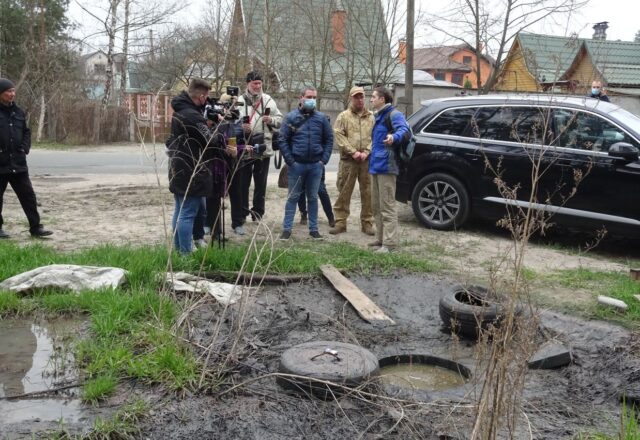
(617,61)
(548,57)
(437,58)
(301,31)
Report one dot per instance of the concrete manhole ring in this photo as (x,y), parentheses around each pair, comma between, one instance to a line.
(422,377)
(331,361)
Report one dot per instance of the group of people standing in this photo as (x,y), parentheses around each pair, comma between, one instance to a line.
(210,159)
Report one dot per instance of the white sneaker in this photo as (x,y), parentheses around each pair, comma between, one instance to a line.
(207,230)
(382,250)
(201,244)
(239,230)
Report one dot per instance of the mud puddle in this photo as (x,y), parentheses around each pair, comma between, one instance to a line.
(38,379)
(558,404)
(583,397)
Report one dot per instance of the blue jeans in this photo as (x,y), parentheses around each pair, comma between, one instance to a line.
(323,195)
(303,177)
(184,214)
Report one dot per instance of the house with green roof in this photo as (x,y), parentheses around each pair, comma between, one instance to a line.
(331,44)
(537,62)
(615,63)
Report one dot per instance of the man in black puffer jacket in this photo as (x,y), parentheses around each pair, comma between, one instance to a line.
(191,147)
(15,143)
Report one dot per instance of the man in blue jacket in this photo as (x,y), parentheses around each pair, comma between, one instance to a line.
(306,141)
(15,143)
(383,167)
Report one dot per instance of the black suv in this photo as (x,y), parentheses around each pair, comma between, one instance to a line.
(465,143)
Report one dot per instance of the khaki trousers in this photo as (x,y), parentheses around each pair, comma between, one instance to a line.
(383,195)
(350,171)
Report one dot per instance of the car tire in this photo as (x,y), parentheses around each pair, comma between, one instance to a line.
(440,201)
(467,309)
(355,366)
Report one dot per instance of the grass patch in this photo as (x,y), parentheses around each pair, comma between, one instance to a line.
(98,388)
(48,145)
(307,258)
(132,326)
(628,429)
(614,284)
(584,278)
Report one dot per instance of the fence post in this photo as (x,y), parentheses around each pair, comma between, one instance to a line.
(132,127)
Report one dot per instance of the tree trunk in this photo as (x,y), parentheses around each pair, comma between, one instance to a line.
(112,40)
(125,54)
(43,112)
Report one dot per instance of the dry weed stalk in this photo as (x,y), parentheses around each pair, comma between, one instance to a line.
(503,352)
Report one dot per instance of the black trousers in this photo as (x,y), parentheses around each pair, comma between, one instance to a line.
(260,172)
(239,194)
(21,185)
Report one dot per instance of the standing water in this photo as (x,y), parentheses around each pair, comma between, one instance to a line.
(37,372)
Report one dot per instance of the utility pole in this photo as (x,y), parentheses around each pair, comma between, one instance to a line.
(408,74)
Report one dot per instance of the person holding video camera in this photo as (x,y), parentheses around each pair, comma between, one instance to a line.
(190,147)
(260,120)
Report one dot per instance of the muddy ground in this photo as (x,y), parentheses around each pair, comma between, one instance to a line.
(86,210)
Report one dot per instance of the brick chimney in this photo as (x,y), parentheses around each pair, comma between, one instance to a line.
(402,51)
(338,28)
(600,30)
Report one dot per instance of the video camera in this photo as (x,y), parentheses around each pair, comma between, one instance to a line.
(227,109)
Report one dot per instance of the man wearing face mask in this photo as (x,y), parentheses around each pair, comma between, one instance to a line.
(260,118)
(597,91)
(306,141)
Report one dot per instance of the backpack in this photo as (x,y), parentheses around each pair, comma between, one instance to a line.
(407,144)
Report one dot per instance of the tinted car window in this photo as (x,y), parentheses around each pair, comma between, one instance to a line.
(513,124)
(453,122)
(586,131)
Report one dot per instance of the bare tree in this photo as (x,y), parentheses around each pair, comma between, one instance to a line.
(111,34)
(125,50)
(137,16)
(490,26)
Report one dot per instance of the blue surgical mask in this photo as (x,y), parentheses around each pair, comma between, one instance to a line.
(309,104)
(595,91)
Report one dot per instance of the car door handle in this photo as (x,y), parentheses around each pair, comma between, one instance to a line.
(472,156)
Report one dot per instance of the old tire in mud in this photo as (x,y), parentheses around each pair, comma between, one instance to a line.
(326,361)
(467,309)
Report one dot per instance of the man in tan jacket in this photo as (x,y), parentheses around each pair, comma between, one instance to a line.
(352,132)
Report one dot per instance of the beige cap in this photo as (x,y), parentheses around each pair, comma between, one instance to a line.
(355,90)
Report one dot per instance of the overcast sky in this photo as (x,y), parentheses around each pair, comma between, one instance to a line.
(623,17)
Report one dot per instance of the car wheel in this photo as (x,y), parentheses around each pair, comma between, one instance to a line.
(465,310)
(440,201)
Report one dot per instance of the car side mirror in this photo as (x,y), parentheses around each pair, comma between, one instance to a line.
(624,150)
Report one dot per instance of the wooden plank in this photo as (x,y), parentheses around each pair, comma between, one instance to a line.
(367,309)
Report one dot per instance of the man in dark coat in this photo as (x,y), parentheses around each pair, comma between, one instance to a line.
(190,149)
(15,143)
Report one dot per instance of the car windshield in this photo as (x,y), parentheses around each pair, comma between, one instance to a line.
(628,119)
